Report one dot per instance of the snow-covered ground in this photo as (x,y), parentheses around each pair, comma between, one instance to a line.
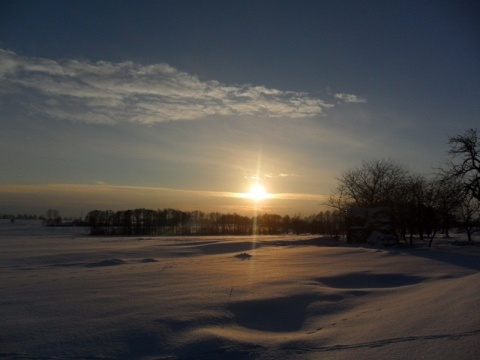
(64,294)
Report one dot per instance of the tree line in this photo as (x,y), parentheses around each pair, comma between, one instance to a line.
(175,222)
(420,204)
(21,217)
(50,218)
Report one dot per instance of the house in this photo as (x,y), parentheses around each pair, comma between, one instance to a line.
(370,225)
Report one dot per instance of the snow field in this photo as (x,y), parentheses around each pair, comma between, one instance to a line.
(64,294)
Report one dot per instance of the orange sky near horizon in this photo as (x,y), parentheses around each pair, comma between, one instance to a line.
(75,200)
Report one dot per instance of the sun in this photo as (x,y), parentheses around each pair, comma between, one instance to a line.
(257,192)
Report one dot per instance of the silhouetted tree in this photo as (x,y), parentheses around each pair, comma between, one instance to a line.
(375,183)
(469,215)
(449,194)
(464,164)
(53,217)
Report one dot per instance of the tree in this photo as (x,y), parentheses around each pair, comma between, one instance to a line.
(53,217)
(375,183)
(449,194)
(464,163)
(469,215)
(410,208)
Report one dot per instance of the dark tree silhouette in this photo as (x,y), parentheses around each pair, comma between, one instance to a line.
(469,215)
(464,163)
(375,183)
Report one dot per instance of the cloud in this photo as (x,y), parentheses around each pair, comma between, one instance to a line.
(350,98)
(109,93)
(280,175)
(270,176)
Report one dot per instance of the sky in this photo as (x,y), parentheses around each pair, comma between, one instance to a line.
(186,104)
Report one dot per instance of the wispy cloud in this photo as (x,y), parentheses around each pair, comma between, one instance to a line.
(270,176)
(280,175)
(109,93)
(350,98)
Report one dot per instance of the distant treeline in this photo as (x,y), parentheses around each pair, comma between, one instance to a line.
(21,217)
(51,218)
(176,222)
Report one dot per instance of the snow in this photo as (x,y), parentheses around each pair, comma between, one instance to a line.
(64,294)
(377,238)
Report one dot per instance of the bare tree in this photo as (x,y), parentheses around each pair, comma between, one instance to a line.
(464,163)
(375,183)
(469,215)
(411,208)
(449,194)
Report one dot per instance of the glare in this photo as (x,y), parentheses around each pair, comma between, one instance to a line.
(257,192)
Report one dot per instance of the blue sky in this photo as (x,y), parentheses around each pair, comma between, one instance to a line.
(121,104)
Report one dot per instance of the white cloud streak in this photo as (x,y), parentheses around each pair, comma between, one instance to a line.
(350,98)
(109,93)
